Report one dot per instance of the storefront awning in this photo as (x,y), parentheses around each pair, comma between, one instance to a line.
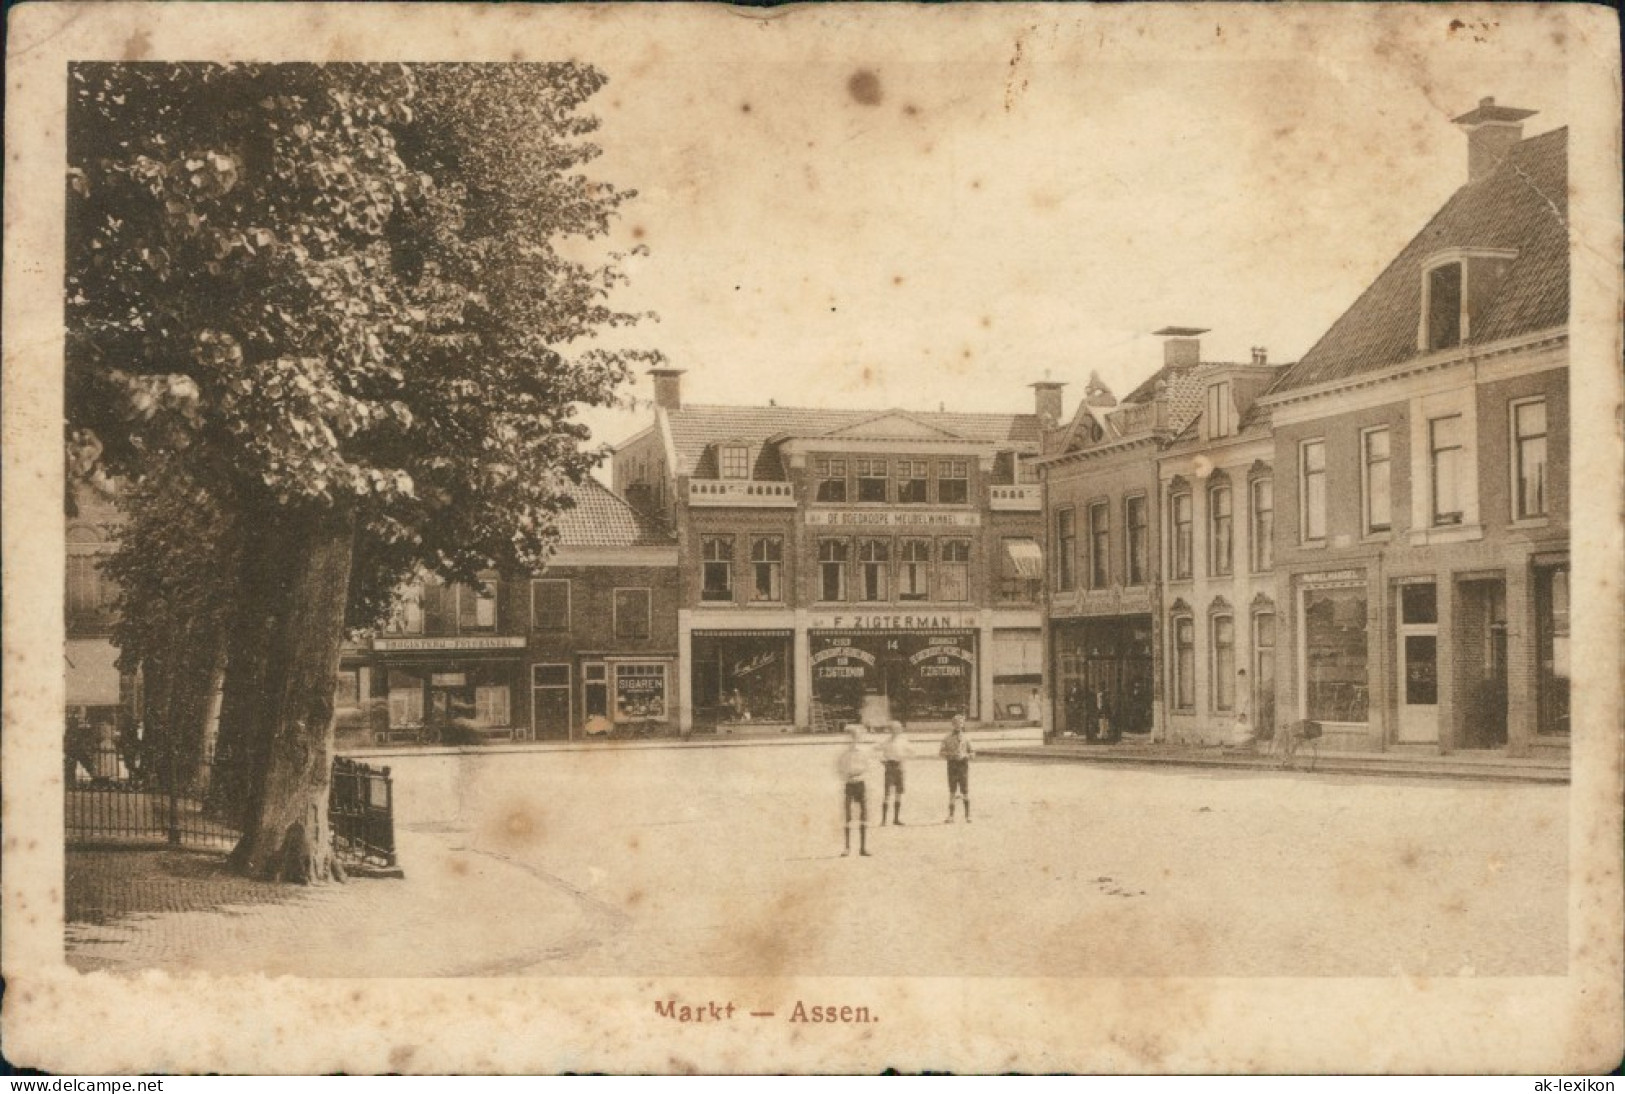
(1027,557)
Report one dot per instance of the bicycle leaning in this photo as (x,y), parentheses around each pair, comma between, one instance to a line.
(1291,738)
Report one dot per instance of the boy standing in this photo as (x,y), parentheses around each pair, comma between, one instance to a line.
(854,767)
(957,751)
(892,755)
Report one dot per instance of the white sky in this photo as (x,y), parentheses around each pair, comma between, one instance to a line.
(1015,207)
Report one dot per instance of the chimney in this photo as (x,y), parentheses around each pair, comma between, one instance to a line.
(1047,402)
(1261,356)
(1097,394)
(668,388)
(1491,132)
(1182,346)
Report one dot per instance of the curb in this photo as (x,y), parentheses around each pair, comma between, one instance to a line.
(1324,765)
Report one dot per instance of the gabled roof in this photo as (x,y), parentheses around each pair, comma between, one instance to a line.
(1521,205)
(695,428)
(602,518)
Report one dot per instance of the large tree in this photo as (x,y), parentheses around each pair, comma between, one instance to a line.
(339,305)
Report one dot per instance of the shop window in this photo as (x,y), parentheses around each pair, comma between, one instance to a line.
(953,573)
(1378,502)
(1334,636)
(912,482)
(716,567)
(1136,515)
(1552,647)
(477,607)
(871,479)
(1220,530)
(1529,459)
(1263,545)
(407,615)
(1443,306)
(1312,491)
(1183,532)
(1066,549)
(405,699)
(1445,445)
(735,461)
(1224,662)
(1220,410)
(550,604)
(491,705)
(742,677)
(833,555)
(1184,663)
(831,475)
(631,613)
(874,566)
(767,567)
(640,693)
(912,572)
(953,482)
(1100,545)
(347,692)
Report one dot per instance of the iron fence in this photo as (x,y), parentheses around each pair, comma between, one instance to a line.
(118,798)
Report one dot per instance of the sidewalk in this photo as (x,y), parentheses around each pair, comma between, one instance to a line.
(1486,766)
(458,912)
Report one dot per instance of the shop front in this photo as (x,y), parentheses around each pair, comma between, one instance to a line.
(883,675)
(435,691)
(1106,659)
(1334,659)
(743,681)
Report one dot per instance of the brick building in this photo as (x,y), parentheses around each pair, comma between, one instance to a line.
(1421,456)
(838,564)
(583,650)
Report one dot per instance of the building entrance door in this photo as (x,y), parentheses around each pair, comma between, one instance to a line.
(550,701)
(1418,649)
(1481,663)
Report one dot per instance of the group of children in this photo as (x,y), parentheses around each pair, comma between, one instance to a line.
(857,762)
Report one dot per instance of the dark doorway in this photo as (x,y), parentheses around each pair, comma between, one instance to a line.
(1481,664)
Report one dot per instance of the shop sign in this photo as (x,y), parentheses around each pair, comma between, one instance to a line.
(939,661)
(892,518)
(1336,575)
(939,621)
(640,692)
(516,642)
(755,664)
(448,679)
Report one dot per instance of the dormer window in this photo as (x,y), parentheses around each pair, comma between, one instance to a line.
(734,460)
(1220,410)
(1444,306)
(1458,286)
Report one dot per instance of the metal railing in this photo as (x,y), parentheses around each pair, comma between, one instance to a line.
(361,811)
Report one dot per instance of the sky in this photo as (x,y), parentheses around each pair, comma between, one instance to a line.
(916,220)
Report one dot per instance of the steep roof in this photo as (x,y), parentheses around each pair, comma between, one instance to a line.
(695,428)
(602,518)
(1521,205)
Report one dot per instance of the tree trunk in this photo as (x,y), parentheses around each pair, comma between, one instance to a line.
(286,836)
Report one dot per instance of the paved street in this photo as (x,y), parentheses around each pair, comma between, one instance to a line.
(726,861)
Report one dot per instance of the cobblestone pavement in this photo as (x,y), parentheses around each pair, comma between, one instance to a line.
(728,862)
(458,912)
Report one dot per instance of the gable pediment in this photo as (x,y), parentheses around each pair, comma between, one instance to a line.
(894,424)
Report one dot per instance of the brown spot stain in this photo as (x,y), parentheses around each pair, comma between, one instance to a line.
(744,108)
(638,231)
(864,87)
(138,46)
(897,279)
(458,867)
(400,1056)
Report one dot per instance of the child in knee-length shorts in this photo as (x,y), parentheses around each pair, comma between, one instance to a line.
(853,767)
(957,751)
(892,755)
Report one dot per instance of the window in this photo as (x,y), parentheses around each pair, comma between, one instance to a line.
(912,480)
(1026,471)
(550,604)
(953,482)
(767,566)
(1529,459)
(831,480)
(407,618)
(1220,410)
(491,705)
(477,607)
(1021,569)
(1100,540)
(595,689)
(1224,662)
(953,575)
(1444,442)
(1444,306)
(1263,545)
(631,613)
(874,558)
(832,559)
(1552,647)
(91,595)
(871,479)
(1066,546)
(1220,530)
(717,568)
(1312,499)
(1378,497)
(1181,505)
(735,461)
(1184,663)
(912,582)
(1334,657)
(1264,671)
(405,699)
(1137,515)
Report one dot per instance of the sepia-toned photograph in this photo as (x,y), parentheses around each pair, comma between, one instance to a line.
(826,538)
